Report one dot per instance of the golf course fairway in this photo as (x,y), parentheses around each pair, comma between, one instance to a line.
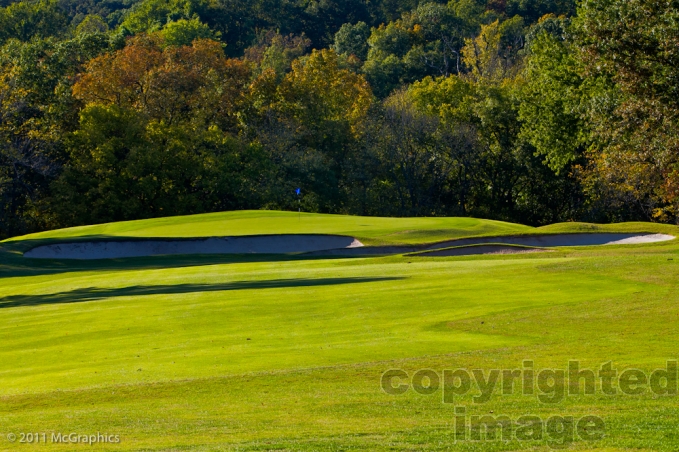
(289,351)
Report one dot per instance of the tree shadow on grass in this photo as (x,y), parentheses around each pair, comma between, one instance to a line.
(13,264)
(99,293)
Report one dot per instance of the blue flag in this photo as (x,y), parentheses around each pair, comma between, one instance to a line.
(298,191)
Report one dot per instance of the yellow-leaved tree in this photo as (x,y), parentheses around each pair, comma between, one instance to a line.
(318,88)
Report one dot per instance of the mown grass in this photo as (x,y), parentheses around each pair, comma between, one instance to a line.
(285,353)
(372,230)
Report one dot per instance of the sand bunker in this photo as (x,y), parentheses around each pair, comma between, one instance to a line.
(328,245)
(265,244)
(546,241)
(555,240)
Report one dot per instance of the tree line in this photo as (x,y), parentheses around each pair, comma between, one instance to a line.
(533,111)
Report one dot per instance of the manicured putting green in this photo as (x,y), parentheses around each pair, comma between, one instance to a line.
(372,230)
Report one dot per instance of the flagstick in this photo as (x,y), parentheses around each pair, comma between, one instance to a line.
(299,205)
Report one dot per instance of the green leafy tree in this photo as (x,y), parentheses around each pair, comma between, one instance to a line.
(426,41)
(494,54)
(533,10)
(158,135)
(124,167)
(554,97)
(37,111)
(26,20)
(324,18)
(91,24)
(309,123)
(319,89)
(635,44)
(276,52)
(237,22)
(183,32)
(353,40)
(424,162)
(504,179)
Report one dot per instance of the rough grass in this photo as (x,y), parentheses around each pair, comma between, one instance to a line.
(283,353)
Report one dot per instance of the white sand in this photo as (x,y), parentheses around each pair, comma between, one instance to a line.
(554,240)
(266,244)
(471,246)
(547,241)
(648,238)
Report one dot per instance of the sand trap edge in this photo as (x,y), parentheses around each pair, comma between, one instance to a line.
(256,244)
(559,240)
(541,241)
(330,245)
(482,249)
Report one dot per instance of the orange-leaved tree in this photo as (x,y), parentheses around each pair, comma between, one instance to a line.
(168,83)
(157,135)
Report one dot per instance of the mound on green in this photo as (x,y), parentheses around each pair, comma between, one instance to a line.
(255,232)
(369,230)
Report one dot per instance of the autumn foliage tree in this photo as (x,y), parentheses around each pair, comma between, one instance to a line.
(37,112)
(635,44)
(520,110)
(310,123)
(157,135)
(319,89)
(168,83)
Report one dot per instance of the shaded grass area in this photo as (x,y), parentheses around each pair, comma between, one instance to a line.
(97,293)
(13,264)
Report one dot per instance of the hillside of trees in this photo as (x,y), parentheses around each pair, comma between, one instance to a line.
(532,111)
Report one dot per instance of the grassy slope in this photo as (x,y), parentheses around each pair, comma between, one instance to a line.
(157,349)
(374,230)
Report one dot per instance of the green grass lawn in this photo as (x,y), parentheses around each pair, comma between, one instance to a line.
(286,353)
(372,230)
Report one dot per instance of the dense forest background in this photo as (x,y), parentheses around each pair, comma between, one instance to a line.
(533,111)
